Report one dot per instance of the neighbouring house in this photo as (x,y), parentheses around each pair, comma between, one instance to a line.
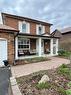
(65,40)
(22,37)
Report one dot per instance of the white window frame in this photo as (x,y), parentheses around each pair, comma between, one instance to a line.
(37,29)
(27,27)
(25,44)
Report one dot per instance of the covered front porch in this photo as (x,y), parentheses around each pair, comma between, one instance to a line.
(29,47)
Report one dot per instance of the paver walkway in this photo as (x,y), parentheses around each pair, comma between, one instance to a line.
(22,70)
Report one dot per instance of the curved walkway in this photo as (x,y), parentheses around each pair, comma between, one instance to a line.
(22,70)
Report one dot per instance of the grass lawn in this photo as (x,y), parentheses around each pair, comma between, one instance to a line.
(59,84)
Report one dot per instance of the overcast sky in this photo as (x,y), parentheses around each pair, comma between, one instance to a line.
(57,12)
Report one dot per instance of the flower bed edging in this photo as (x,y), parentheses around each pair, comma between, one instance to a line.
(14,86)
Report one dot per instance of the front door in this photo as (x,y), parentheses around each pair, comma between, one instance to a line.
(3,51)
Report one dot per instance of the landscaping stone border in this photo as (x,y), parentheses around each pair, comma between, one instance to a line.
(14,87)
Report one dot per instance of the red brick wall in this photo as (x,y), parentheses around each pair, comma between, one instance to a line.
(33,44)
(14,23)
(10,45)
(11,22)
(47,29)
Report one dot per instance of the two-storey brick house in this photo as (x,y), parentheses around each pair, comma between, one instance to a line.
(25,38)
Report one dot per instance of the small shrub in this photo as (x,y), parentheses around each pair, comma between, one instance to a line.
(61,52)
(69,84)
(43,85)
(62,91)
(63,66)
(68,92)
(64,53)
(65,71)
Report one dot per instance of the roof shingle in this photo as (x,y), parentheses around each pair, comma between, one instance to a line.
(5,27)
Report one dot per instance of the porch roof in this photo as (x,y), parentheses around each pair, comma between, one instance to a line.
(22,34)
(7,28)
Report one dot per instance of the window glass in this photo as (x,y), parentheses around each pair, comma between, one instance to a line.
(54,41)
(23,44)
(23,27)
(54,50)
(40,30)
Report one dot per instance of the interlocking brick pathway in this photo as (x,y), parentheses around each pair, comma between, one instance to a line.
(22,70)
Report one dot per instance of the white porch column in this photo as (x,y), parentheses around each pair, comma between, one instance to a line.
(51,46)
(39,47)
(16,48)
(57,46)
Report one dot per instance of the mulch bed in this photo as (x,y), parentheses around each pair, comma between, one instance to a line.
(58,83)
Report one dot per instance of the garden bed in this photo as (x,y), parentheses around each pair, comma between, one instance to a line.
(59,84)
(31,60)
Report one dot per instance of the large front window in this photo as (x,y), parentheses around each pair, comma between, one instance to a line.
(23,46)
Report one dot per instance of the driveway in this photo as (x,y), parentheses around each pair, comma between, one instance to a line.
(22,70)
(4,80)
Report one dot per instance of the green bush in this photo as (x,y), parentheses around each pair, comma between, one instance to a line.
(68,92)
(69,84)
(64,53)
(61,52)
(63,66)
(62,91)
(65,71)
(43,85)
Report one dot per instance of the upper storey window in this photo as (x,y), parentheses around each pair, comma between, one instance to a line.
(40,29)
(24,27)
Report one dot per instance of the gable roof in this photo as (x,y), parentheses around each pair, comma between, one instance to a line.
(56,33)
(8,28)
(25,18)
(66,30)
(46,34)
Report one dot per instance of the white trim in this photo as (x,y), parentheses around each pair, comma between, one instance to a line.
(37,29)
(16,48)
(25,44)
(1,21)
(27,26)
(3,39)
(42,46)
(57,46)
(51,46)
(20,26)
(40,49)
(46,35)
(43,29)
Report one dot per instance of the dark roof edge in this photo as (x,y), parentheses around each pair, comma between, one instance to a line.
(26,18)
(36,35)
(9,30)
(65,32)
